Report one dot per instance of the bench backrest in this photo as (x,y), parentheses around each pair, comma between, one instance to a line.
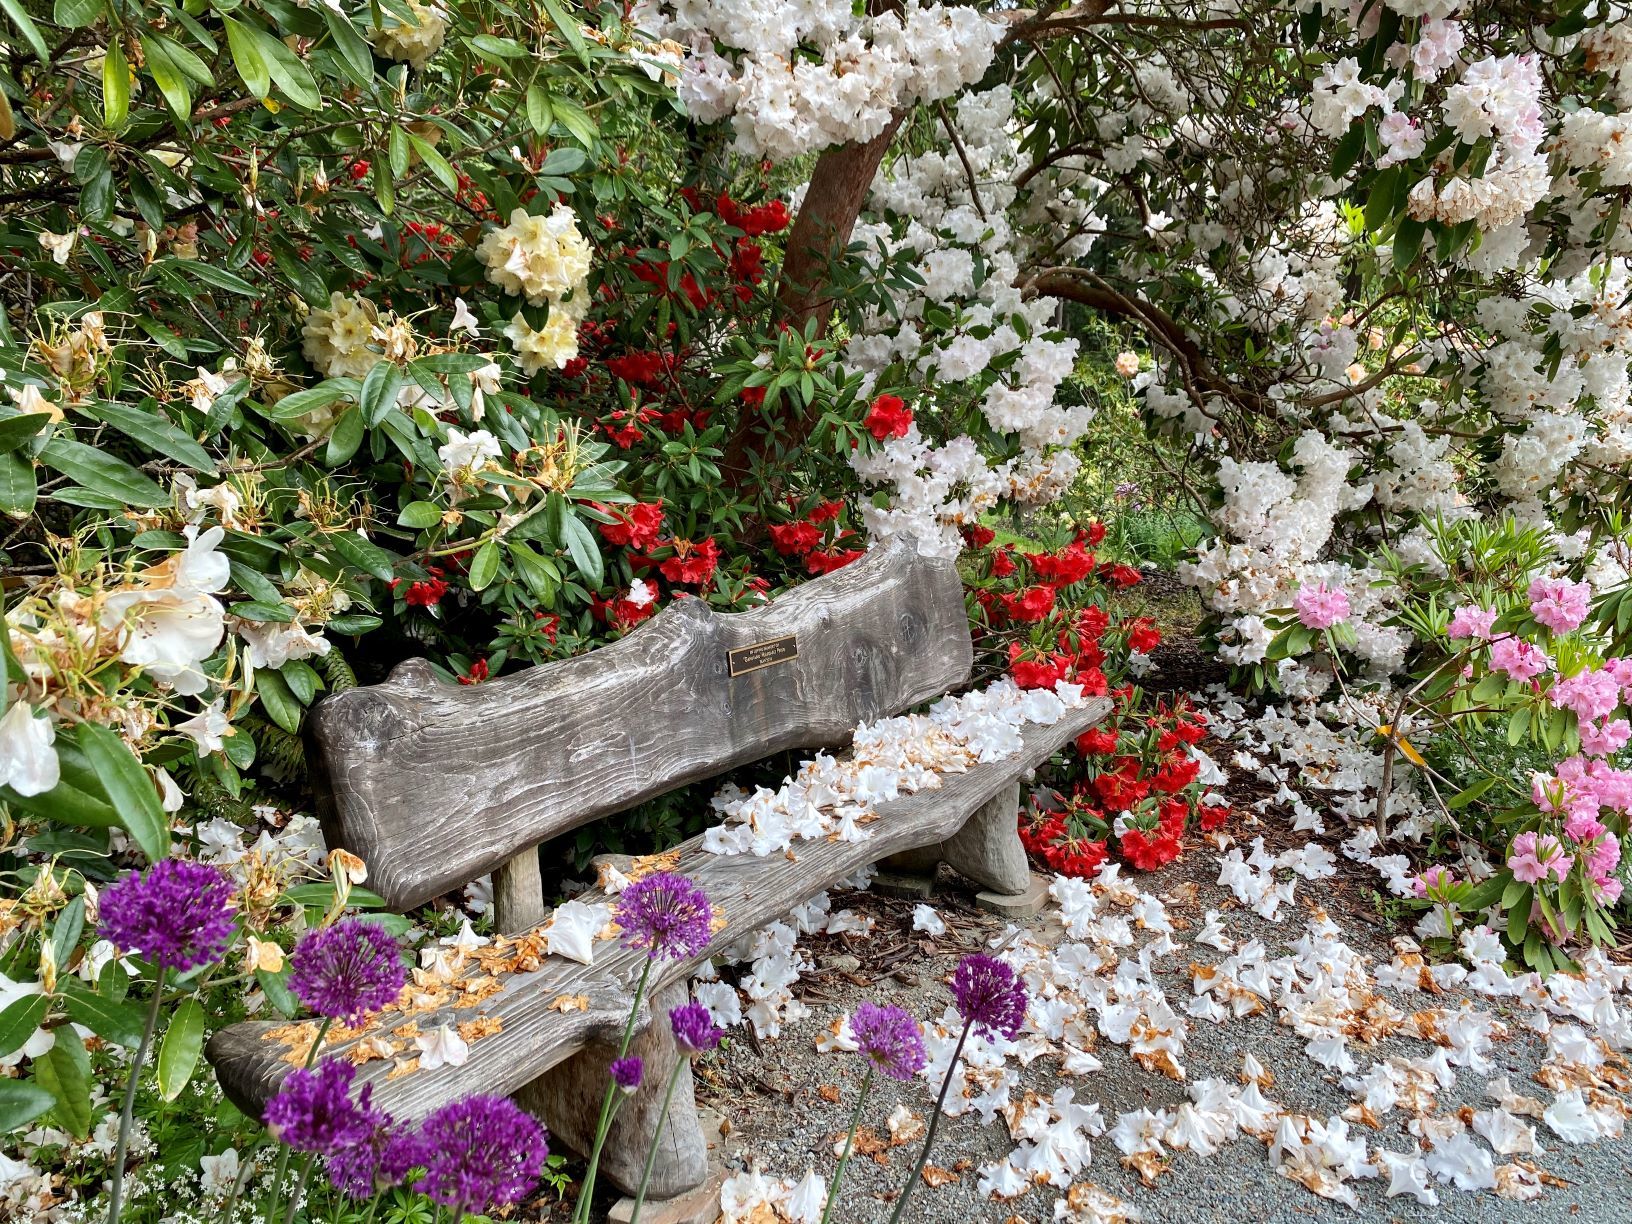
(435,784)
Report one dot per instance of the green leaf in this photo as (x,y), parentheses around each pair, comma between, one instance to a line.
(569,30)
(156,432)
(18,489)
(76,14)
(299,404)
(246,57)
(1408,242)
(277,62)
(380,391)
(419,515)
(437,164)
(484,566)
(66,931)
(21,1102)
(279,702)
(347,436)
(65,1072)
(354,50)
(215,277)
(303,682)
(118,1022)
(128,787)
(15,431)
(576,120)
(20,1021)
(168,76)
(98,470)
(178,1052)
(26,27)
(362,554)
(582,548)
(396,149)
(540,115)
(115,86)
(278,613)
(1464,797)
(276,988)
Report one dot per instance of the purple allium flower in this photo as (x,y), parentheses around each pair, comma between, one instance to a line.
(694,1029)
(380,1163)
(666,915)
(890,1039)
(313,1110)
(990,996)
(626,1071)
(176,914)
(347,971)
(480,1153)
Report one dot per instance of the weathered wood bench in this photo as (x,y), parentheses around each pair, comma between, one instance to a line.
(435,785)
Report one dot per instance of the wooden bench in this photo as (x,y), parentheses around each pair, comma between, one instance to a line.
(435,785)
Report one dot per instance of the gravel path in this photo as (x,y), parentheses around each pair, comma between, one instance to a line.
(788,1103)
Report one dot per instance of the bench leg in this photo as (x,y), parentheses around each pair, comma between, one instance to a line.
(987,849)
(568,1096)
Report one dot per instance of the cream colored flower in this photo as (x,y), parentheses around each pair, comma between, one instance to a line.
(540,258)
(551,347)
(170,618)
(413,44)
(60,246)
(28,762)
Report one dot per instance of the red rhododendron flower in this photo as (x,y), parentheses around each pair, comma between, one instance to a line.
(1030,605)
(692,563)
(825,562)
(978,536)
(1143,635)
(426,593)
(1146,852)
(638,526)
(794,539)
(1212,816)
(1098,740)
(825,511)
(1002,564)
(888,417)
(1176,775)
(1038,672)
(1121,575)
(1069,565)
(1093,536)
(476,674)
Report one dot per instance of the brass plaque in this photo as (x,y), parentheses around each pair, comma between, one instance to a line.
(745,659)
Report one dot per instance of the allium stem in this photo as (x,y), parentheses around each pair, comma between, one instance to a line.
(934,1121)
(849,1141)
(657,1138)
(283,1156)
(609,1103)
(116,1192)
(300,1188)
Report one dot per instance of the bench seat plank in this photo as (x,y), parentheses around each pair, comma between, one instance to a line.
(435,784)
(747,892)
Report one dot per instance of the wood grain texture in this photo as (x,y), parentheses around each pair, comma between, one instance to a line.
(435,784)
(748,892)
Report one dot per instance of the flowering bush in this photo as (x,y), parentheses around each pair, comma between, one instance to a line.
(1135,786)
(1513,649)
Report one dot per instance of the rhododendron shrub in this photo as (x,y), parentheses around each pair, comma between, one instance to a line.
(1517,652)
(1133,790)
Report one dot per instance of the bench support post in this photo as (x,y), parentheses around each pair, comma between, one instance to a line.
(518,894)
(569,1095)
(986,850)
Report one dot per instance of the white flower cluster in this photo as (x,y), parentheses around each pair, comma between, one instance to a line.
(413,42)
(838,798)
(546,260)
(930,214)
(799,75)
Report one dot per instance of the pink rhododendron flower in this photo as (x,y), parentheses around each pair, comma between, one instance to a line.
(1621,669)
(1520,660)
(1560,604)
(1583,829)
(1610,786)
(1535,856)
(1606,737)
(1592,694)
(1319,606)
(1434,877)
(1567,792)
(1607,891)
(1471,621)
